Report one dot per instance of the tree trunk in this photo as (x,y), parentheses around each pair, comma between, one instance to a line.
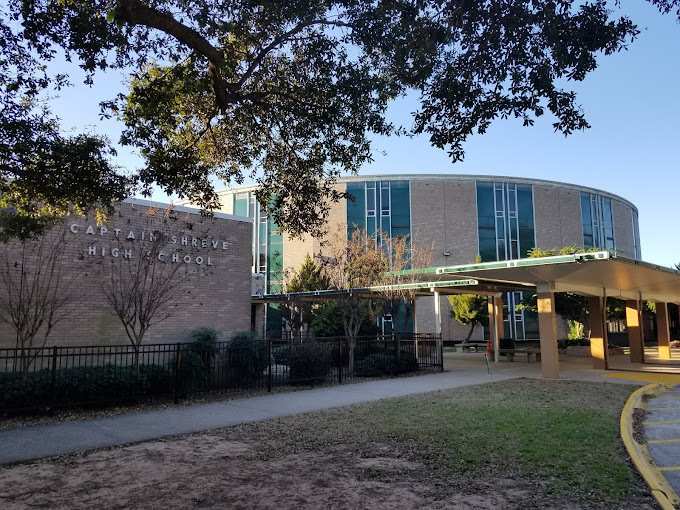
(472,330)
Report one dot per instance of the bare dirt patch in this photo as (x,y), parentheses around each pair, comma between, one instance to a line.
(211,471)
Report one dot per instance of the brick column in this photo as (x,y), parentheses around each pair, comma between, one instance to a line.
(598,337)
(547,326)
(635,332)
(663,331)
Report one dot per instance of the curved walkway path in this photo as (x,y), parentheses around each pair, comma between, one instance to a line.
(30,443)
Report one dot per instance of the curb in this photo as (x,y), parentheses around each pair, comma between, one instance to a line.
(659,486)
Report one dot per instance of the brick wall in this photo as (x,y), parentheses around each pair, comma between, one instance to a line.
(557,220)
(444,219)
(214,281)
(623,229)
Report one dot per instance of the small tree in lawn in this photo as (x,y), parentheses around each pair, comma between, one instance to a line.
(140,289)
(353,264)
(469,310)
(402,256)
(34,291)
(310,276)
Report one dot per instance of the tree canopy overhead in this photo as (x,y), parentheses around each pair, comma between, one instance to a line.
(290,93)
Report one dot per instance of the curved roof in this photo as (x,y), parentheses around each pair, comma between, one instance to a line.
(466,177)
(473,177)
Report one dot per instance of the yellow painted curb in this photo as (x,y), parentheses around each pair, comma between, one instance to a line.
(642,376)
(661,489)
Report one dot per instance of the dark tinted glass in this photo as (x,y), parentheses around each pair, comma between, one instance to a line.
(486,221)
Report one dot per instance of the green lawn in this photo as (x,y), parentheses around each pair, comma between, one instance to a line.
(563,437)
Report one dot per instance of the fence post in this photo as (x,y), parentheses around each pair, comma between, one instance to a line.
(54,376)
(178,354)
(269,365)
(441,353)
(341,359)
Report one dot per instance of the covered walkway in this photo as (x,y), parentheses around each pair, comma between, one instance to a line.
(597,276)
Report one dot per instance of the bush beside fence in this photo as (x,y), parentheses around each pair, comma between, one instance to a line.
(59,377)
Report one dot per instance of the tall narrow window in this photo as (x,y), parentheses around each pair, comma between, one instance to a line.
(371,199)
(486,221)
(636,235)
(356,207)
(597,219)
(505,219)
(383,209)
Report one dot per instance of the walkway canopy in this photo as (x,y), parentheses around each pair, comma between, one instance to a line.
(590,274)
(597,275)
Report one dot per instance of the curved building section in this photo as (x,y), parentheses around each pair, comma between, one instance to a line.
(459,219)
(468,218)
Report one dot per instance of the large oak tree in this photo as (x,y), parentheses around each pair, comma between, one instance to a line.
(290,92)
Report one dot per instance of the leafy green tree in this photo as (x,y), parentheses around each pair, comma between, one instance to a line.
(310,276)
(43,174)
(469,310)
(292,92)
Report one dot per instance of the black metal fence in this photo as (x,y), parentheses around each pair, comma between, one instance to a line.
(59,377)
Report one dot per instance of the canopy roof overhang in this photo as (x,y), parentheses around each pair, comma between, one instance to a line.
(593,274)
(451,284)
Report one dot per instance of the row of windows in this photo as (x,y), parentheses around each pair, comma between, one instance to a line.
(505,215)
(381,208)
(505,219)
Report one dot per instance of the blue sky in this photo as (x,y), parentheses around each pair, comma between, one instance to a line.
(632,149)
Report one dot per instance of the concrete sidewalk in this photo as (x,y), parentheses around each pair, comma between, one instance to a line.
(29,443)
(662,431)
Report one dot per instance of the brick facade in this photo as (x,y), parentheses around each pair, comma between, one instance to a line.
(444,219)
(214,276)
(557,217)
(623,229)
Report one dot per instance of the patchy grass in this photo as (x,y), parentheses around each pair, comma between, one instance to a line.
(564,435)
(514,444)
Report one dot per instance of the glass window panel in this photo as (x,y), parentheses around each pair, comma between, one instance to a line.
(370,226)
(385,198)
(525,219)
(500,246)
(486,221)
(400,205)
(587,220)
(274,258)
(241,204)
(370,201)
(356,203)
(386,226)
(608,223)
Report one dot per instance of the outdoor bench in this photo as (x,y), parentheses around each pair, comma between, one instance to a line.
(471,347)
(528,351)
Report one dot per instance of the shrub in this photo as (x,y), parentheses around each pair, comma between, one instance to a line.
(246,357)
(84,385)
(379,364)
(196,362)
(309,363)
